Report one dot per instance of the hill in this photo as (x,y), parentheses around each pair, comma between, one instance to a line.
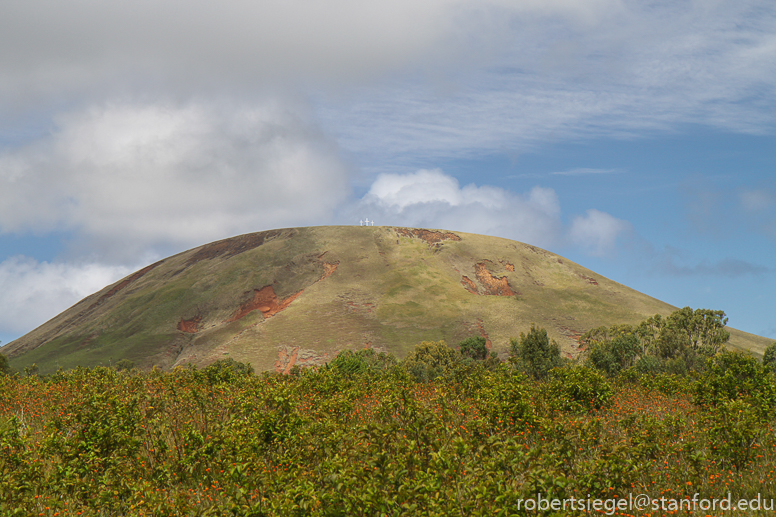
(298,296)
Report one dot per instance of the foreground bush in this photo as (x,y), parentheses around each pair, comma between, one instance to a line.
(330,442)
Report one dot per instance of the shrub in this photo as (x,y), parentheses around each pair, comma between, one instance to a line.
(429,360)
(474,348)
(505,400)
(225,370)
(667,383)
(733,376)
(349,363)
(124,365)
(615,355)
(648,365)
(534,353)
(578,388)
(735,427)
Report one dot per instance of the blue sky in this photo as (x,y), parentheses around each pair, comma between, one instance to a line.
(637,138)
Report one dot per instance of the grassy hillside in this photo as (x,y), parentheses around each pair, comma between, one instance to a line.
(299,296)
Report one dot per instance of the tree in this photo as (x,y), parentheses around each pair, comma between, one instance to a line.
(615,355)
(5,368)
(534,353)
(769,357)
(124,365)
(704,328)
(474,347)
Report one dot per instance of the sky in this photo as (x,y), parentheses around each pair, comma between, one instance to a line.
(634,137)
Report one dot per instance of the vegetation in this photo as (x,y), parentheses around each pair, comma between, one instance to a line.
(474,348)
(5,368)
(361,437)
(769,357)
(444,432)
(534,353)
(679,343)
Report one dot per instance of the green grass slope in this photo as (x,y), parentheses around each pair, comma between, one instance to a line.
(298,296)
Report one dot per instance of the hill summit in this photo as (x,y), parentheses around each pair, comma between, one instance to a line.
(298,296)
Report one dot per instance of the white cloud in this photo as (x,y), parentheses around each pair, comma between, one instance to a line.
(123,175)
(596,232)
(33,292)
(433,199)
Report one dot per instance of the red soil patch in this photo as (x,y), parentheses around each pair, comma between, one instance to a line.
(190,326)
(360,307)
(328,269)
(264,300)
(288,357)
(431,237)
(233,246)
(509,267)
(488,343)
(121,285)
(590,280)
(87,341)
(493,286)
(283,361)
(469,285)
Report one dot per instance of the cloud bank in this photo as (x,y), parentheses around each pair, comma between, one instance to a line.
(129,176)
(34,292)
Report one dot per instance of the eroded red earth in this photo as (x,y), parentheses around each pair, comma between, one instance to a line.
(190,326)
(430,236)
(264,300)
(491,285)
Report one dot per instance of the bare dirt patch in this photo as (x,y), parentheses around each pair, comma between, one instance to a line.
(492,285)
(328,269)
(190,326)
(430,236)
(264,300)
(481,327)
(470,286)
(509,267)
(589,279)
(288,357)
(267,301)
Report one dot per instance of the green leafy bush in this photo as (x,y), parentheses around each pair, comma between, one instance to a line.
(733,376)
(615,355)
(474,348)
(224,370)
(534,353)
(578,388)
(504,398)
(429,360)
(349,363)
